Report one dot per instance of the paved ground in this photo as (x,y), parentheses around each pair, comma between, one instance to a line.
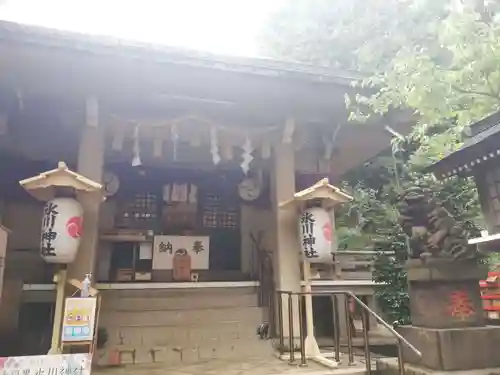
(249,366)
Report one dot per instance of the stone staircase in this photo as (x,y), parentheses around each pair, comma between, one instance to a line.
(181,326)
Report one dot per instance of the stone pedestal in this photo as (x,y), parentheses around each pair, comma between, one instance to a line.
(448,318)
(389,366)
(453,348)
(445,294)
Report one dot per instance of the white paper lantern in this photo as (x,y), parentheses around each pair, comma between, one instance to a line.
(61,230)
(315,230)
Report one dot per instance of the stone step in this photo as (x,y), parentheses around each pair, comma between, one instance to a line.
(182,326)
(197,317)
(181,292)
(171,355)
(161,335)
(178,302)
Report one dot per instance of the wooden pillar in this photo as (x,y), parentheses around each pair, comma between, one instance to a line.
(485,201)
(372,304)
(286,252)
(90,164)
(343,313)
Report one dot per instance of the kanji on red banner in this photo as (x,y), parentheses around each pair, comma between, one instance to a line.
(460,305)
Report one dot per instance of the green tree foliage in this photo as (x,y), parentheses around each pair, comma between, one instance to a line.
(438,59)
(357,34)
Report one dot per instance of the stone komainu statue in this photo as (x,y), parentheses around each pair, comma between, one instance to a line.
(432,231)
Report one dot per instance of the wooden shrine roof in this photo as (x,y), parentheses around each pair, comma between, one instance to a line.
(42,36)
(482,147)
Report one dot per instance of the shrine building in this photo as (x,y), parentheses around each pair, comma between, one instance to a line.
(195,153)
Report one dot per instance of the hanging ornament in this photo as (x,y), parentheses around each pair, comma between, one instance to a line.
(136,161)
(174,134)
(247,155)
(214,147)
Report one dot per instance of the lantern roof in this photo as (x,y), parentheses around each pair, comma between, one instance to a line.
(329,195)
(43,186)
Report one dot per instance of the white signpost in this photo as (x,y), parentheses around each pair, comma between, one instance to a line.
(165,247)
(57,364)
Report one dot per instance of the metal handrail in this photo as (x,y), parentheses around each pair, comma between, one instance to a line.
(366,310)
(381,321)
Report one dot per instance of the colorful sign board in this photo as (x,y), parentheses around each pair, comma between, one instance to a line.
(79,319)
(57,364)
(165,249)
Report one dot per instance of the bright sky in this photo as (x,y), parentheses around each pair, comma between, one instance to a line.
(220,26)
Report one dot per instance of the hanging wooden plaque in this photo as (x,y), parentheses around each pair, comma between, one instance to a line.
(181,265)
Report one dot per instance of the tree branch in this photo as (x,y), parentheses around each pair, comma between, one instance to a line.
(474,92)
(471,92)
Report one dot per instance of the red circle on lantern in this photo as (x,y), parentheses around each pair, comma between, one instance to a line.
(74,226)
(327,232)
